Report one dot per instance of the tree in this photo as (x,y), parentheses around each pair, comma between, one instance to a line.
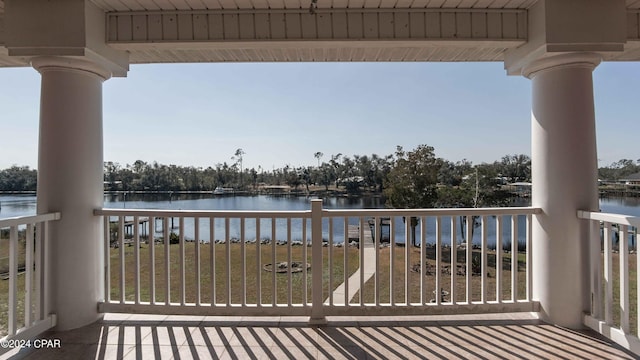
(292,177)
(382,166)
(18,178)
(305,175)
(139,166)
(325,176)
(366,170)
(618,170)
(452,174)
(515,167)
(335,165)
(254,178)
(412,181)
(111,174)
(479,188)
(318,155)
(238,157)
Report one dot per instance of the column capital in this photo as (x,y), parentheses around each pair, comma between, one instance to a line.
(581,59)
(43,63)
(69,29)
(556,28)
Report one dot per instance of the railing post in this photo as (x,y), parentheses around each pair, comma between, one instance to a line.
(13,284)
(317,315)
(596,268)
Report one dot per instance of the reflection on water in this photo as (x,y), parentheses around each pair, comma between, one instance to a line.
(258,202)
(18,205)
(299,230)
(621,205)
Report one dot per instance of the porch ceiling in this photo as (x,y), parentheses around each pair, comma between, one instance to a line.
(153,31)
(142,5)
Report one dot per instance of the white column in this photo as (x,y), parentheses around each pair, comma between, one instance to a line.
(564,176)
(70,180)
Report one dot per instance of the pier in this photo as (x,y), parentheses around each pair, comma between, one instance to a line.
(129,226)
(368,231)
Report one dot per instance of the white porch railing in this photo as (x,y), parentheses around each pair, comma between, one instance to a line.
(480,273)
(24,248)
(612,312)
(301,263)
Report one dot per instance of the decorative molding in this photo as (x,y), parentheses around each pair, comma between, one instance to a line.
(45,63)
(587,60)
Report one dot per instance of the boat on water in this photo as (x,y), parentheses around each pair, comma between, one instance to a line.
(223,191)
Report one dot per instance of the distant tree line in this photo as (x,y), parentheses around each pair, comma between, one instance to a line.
(352,174)
(453,183)
(356,174)
(18,178)
(619,169)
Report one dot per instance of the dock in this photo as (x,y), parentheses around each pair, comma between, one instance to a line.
(129,224)
(354,231)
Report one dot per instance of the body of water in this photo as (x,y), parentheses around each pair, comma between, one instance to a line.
(22,205)
(18,205)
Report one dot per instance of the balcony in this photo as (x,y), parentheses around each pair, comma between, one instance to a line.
(347,283)
(569,273)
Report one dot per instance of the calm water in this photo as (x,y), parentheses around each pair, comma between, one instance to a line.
(16,205)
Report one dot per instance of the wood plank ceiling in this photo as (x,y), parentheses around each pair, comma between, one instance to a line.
(235,37)
(151,5)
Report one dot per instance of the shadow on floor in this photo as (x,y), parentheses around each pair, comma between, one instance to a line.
(174,337)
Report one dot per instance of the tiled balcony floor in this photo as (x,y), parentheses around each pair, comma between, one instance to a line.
(500,336)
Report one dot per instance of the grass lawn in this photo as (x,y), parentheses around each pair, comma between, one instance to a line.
(223,267)
(429,280)
(633,291)
(233,267)
(4,283)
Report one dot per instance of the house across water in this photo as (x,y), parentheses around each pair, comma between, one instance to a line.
(521,189)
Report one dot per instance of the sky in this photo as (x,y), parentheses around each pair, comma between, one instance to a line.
(282,113)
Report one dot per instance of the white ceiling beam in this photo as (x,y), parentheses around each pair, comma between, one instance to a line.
(325,25)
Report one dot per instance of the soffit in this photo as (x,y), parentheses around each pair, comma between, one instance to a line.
(155,5)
